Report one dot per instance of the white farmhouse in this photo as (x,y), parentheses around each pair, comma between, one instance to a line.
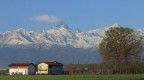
(22,69)
(54,68)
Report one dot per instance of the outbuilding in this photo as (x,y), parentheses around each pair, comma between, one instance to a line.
(22,69)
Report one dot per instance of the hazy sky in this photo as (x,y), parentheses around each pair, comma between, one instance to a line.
(38,15)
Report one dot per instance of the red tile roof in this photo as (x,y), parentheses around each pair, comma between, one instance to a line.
(55,63)
(20,64)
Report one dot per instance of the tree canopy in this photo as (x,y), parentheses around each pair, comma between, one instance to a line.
(120,46)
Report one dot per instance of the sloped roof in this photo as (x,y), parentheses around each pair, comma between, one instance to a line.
(20,64)
(54,63)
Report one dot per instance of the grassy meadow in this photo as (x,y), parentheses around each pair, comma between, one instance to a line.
(75,77)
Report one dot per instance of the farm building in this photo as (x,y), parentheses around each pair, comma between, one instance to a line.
(22,69)
(54,68)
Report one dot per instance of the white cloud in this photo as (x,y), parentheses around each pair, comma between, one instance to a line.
(47,19)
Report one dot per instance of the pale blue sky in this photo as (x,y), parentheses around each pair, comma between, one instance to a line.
(37,15)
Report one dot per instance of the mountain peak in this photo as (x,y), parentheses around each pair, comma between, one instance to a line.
(116,25)
(20,30)
(62,25)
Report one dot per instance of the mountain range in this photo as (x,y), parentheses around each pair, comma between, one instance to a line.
(58,43)
(60,35)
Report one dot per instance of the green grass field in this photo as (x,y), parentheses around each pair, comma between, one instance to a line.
(75,77)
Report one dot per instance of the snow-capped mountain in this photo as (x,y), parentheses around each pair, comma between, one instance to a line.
(60,35)
(57,43)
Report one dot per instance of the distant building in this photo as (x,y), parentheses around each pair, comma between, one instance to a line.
(51,68)
(22,69)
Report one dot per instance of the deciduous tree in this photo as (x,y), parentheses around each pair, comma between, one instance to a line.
(120,48)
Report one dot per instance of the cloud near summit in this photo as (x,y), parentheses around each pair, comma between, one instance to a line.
(46,19)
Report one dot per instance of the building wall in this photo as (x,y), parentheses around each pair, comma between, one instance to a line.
(31,69)
(42,68)
(18,70)
(56,70)
(24,70)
